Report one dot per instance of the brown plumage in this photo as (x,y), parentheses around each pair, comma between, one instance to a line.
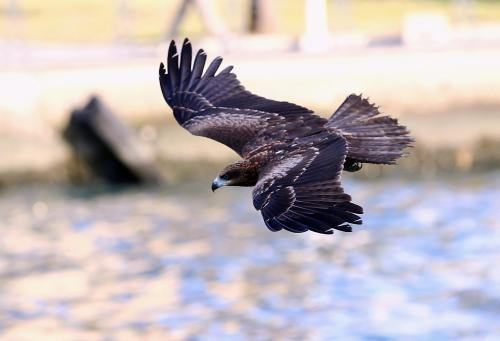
(293,157)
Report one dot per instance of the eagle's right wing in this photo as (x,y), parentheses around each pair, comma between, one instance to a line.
(302,190)
(219,107)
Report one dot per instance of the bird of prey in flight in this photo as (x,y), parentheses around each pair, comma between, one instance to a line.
(292,157)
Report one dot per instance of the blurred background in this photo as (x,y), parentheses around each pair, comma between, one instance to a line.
(109,229)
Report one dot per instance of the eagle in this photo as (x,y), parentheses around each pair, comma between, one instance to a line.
(292,157)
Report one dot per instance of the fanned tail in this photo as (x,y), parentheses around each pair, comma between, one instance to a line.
(370,137)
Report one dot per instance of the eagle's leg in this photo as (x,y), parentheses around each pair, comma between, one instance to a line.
(351,165)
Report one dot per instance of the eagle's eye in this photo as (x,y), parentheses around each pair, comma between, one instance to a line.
(232,174)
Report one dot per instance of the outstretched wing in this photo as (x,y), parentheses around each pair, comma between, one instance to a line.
(302,191)
(219,107)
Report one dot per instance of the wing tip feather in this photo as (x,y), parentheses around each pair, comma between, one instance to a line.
(172,48)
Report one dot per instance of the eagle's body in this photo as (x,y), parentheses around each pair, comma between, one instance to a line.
(293,157)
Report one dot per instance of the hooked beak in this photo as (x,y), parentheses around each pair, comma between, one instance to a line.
(217,183)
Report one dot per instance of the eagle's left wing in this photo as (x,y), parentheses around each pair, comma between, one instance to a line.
(219,107)
(302,190)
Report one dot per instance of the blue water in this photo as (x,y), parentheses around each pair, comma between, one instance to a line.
(185,263)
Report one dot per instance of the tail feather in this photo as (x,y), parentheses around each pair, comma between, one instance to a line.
(370,138)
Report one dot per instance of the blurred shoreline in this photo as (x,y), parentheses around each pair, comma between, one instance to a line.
(448,97)
(182,157)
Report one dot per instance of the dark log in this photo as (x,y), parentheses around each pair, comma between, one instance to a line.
(107,147)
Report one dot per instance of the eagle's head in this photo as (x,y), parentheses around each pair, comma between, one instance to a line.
(241,173)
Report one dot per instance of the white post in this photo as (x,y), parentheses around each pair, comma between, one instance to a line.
(316,36)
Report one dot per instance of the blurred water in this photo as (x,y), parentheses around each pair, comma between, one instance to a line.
(180,262)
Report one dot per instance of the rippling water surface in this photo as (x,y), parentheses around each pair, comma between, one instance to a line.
(180,262)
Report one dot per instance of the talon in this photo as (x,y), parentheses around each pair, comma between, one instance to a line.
(352,166)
